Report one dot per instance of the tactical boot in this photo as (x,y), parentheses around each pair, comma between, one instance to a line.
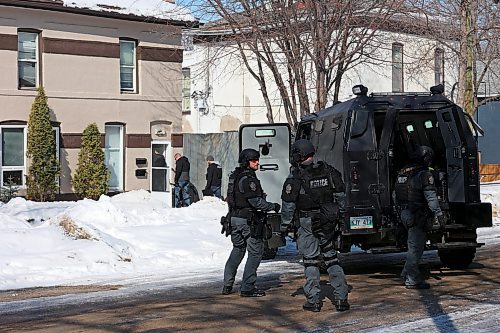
(226,290)
(419,285)
(252,293)
(313,307)
(341,305)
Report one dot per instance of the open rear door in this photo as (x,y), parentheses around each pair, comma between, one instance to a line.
(454,151)
(273,143)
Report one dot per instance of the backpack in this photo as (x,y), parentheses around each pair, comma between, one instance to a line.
(193,193)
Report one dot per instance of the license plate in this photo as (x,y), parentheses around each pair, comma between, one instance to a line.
(361,222)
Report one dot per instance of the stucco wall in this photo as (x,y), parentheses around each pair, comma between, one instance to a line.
(82,88)
(235,97)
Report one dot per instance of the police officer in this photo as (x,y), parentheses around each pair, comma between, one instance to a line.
(247,224)
(316,191)
(416,200)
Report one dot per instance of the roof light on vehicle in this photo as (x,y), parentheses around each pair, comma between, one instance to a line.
(359,90)
(437,90)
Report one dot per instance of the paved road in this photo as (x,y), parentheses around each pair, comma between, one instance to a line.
(459,301)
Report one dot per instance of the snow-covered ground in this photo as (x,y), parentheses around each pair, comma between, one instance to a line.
(131,239)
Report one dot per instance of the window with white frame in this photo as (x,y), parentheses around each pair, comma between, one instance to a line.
(114,155)
(128,66)
(13,155)
(186,90)
(439,66)
(397,67)
(27,59)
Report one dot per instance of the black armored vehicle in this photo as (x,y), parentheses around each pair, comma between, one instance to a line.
(369,138)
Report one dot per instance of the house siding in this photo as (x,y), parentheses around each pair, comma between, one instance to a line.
(80,71)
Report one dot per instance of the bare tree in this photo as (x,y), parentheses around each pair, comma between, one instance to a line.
(303,47)
(472,32)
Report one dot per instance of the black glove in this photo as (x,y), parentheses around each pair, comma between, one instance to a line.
(277,207)
(441,220)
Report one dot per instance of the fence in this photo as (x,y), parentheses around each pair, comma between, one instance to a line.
(222,146)
(489,172)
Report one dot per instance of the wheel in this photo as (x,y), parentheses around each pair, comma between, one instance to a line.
(457,258)
(269,253)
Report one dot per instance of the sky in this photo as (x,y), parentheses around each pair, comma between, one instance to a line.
(128,239)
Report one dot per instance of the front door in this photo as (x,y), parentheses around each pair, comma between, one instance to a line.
(159,167)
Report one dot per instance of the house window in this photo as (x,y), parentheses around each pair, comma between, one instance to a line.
(186,90)
(114,155)
(27,59)
(439,66)
(397,67)
(127,66)
(13,155)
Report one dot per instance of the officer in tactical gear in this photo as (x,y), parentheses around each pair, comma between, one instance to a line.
(248,212)
(416,201)
(316,192)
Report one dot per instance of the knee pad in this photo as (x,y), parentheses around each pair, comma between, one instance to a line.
(327,247)
(331,261)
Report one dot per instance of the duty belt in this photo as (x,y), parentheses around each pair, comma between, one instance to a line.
(308,213)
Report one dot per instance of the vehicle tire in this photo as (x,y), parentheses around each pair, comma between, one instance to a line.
(458,258)
(269,253)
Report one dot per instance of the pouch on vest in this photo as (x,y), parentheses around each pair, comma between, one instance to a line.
(329,212)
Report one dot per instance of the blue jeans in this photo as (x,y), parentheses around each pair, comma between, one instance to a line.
(216,190)
(182,198)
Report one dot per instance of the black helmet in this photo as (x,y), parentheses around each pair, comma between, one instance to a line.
(301,150)
(424,154)
(248,154)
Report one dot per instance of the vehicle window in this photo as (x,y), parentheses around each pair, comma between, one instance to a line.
(336,123)
(304,131)
(318,126)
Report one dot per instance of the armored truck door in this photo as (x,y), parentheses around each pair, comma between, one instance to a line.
(447,120)
(273,143)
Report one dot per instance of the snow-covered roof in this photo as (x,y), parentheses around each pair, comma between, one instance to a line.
(149,8)
(157,11)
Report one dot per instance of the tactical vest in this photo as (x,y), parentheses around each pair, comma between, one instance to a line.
(317,187)
(240,199)
(408,187)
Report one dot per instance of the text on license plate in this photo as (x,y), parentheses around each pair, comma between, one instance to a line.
(361,222)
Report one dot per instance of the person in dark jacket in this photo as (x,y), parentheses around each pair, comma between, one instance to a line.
(182,167)
(417,202)
(214,178)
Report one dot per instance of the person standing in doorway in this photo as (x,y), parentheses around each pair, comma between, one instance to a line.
(182,167)
(159,172)
(214,178)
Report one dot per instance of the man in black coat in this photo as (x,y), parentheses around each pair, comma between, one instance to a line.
(214,178)
(182,167)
